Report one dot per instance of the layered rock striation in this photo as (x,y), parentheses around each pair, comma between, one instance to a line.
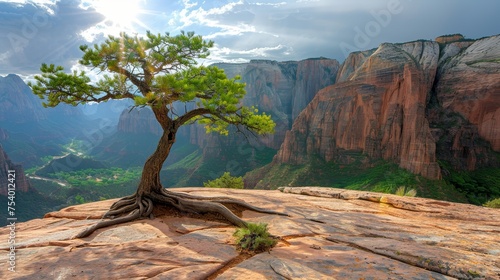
(329,234)
(468,83)
(410,103)
(281,89)
(377,107)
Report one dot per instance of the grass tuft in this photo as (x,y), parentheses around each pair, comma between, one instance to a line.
(254,238)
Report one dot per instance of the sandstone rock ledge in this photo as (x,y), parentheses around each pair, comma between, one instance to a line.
(330,234)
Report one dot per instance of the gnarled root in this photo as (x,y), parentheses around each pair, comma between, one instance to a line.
(141,206)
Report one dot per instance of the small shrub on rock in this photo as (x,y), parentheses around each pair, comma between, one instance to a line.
(494,203)
(254,238)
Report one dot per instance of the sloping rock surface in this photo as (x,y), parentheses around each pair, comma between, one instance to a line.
(330,234)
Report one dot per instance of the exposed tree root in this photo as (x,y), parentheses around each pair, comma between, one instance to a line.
(136,206)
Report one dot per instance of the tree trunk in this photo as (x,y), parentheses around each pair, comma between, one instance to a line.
(150,179)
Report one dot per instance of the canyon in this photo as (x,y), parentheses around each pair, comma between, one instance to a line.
(409,103)
(432,107)
(414,104)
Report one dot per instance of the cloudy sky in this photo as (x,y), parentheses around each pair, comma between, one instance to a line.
(36,31)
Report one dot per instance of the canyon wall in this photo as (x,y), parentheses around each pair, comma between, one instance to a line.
(410,103)
(377,107)
(469,84)
(21,182)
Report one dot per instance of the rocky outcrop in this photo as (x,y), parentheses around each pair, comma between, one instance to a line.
(281,89)
(351,64)
(410,103)
(18,105)
(469,84)
(377,108)
(312,75)
(329,234)
(449,38)
(3,134)
(138,120)
(20,180)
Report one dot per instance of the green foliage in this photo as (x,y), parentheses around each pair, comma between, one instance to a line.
(255,238)
(155,70)
(401,191)
(79,199)
(195,168)
(452,35)
(98,177)
(69,163)
(494,203)
(361,174)
(89,185)
(478,186)
(225,181)
(30,205)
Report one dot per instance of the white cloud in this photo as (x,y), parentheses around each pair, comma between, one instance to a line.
(225,54)
(47,5)
(242,29)
(270,4)
(188,16)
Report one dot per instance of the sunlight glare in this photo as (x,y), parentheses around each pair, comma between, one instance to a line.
(121,13)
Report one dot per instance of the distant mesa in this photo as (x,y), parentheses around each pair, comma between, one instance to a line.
(445,39)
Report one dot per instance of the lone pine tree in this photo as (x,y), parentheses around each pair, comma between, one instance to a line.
(157,70)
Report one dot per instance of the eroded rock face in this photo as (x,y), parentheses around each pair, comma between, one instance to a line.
(449,38)
(22,183)
(283,89)
(17,102)
(329,234)
(312,75)
(138,120)
(378,109)
(469,84)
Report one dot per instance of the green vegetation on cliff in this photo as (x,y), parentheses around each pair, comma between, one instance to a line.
(225,181)
(196,168)
(70,163)
(378,176)
(479,186)
(24,206)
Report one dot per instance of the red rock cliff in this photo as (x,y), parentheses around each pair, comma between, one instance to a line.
(21,181)
(469,83)
(378,108)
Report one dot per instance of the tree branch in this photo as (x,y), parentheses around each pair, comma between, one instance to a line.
(191,114)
